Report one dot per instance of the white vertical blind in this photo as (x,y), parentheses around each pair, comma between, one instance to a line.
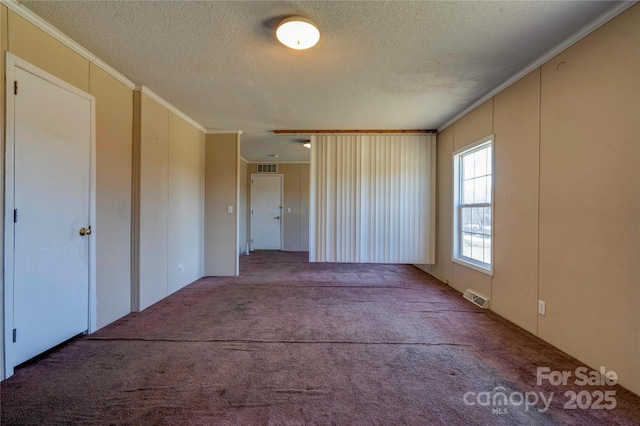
(372,198)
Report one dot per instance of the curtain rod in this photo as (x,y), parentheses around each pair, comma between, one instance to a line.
(309,132)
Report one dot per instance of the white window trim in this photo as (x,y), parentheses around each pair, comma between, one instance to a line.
(455,256)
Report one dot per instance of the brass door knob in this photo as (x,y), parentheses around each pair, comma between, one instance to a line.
(89,231)
(83,232)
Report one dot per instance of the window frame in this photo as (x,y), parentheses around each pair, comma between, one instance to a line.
(456,255)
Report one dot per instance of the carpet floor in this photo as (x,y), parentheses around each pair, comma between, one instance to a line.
(293,343)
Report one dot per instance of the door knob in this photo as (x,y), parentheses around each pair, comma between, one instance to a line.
(89,231)
(277,217)
(83,232)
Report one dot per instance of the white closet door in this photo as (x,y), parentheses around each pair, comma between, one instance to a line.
(52,189)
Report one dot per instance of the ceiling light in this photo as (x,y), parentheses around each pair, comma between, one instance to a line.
(297,33)
(307,144)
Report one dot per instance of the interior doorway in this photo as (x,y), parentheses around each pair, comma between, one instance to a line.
(49,209)
(266,212)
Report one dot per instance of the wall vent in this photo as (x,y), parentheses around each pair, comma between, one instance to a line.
(476,299)
(267,168)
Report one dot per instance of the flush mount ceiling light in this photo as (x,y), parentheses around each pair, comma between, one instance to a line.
(306,144)
(297,33)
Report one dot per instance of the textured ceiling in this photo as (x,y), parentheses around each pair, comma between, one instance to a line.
(378,65)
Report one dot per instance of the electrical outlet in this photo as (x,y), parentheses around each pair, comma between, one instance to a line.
(180,269)
(542,307)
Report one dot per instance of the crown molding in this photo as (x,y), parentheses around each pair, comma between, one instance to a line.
(336,132)
(223,132)
(563,45)
(275,162)
(150,93)
(66,40)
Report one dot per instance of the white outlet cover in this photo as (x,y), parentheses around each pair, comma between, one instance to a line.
(180,269)
(542,307)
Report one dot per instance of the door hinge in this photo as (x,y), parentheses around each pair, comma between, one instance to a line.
(15,215)
(15,87)
(15,335)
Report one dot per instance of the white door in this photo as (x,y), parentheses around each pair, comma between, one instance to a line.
(51,177)
(266,212)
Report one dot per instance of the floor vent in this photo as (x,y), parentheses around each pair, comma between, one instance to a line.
(476,299)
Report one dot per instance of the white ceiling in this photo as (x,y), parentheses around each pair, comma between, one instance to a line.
(378,65)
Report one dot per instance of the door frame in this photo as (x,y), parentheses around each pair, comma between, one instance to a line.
(281,207)
(13,62)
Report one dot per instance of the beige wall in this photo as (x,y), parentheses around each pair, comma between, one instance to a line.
(473,126)
(35,46)
(295,224)
(305,177)
(567,199)
(171,203)
(291,201)
(443,268)
(296,197)
(516,147)
(243,203)
(154,202)
(114,112)
(590,199)
(186,203)
(221,191)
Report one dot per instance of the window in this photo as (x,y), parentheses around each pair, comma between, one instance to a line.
(473,199)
